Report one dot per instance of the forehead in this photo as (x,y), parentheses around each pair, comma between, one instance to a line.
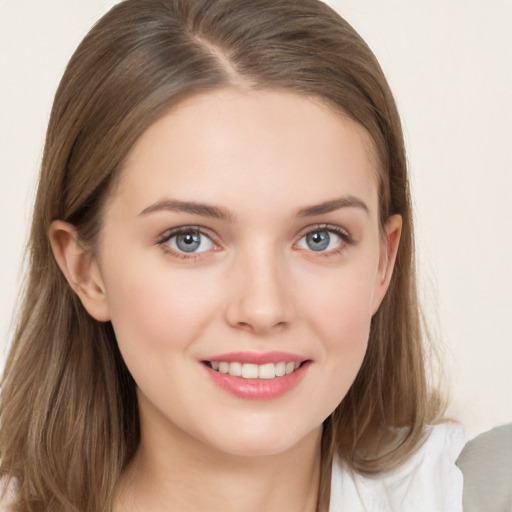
(231,145)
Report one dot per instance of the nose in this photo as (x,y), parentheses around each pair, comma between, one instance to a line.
(260,298)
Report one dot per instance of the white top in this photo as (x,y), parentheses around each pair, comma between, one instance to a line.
(429,481)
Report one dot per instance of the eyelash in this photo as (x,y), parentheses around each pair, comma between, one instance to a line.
(164,239)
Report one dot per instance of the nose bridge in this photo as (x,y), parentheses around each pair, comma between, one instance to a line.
(259,298)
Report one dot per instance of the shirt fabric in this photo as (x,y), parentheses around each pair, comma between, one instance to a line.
(486,463)
(429,481)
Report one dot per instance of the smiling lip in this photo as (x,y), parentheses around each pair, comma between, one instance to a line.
(257,388)
(257,357)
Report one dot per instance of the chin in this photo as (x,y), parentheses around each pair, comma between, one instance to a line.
(268,442)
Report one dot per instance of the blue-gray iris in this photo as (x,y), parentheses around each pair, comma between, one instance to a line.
(188,242)
(318,240)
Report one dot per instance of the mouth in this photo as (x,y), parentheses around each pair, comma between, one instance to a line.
(257,376)
(267,371)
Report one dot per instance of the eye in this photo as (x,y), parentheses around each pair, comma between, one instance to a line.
(188,240)
(323,240)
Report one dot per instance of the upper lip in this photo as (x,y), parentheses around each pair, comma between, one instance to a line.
(257,357)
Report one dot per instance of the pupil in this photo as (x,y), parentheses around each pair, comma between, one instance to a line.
(188,242)
(318,241)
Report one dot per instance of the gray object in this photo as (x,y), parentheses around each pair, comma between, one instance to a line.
(486,463)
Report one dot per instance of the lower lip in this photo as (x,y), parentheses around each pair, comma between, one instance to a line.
(258,389)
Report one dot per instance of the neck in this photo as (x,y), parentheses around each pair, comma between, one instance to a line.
(183,475)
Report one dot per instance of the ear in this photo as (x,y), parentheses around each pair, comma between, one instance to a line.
(389,249)
(80,268)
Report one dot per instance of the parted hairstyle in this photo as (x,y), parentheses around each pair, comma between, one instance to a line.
(69,414)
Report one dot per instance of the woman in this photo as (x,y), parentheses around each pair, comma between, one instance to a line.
(221,309)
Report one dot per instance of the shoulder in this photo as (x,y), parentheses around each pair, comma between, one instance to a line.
(6,495)
(429,480)
(486,463)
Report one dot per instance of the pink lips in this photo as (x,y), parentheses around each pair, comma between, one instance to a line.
(258,389)
(258,358)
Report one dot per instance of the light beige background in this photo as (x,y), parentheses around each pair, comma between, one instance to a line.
(449,63)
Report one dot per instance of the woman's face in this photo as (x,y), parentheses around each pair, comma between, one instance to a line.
(243,237)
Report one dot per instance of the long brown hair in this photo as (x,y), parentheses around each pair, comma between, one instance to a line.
(69,417)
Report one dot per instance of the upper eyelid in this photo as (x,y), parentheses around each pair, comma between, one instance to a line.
(169,233)
(325,227)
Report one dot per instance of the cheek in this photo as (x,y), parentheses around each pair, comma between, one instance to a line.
(340,315)
(341,308)
(155,310)
(345,334)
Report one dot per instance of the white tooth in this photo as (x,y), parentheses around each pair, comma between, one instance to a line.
(267,371)
(250,371)
(215,365)
(280,369)
(235,369)
(297,365)
(224,367)
(289,367)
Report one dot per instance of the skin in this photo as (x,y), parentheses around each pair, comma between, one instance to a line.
(264,159)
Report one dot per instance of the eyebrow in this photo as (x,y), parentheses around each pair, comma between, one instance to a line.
(217,212)
(193,207)
(333,205)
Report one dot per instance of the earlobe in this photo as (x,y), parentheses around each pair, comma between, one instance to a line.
(80,269)
(387,259)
